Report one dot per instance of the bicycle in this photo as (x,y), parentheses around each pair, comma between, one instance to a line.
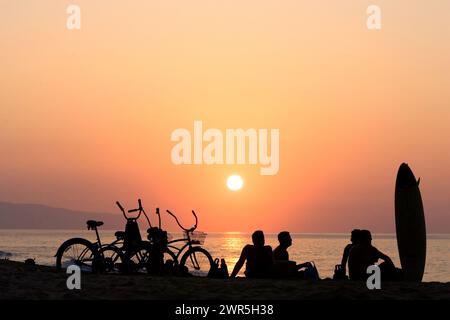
(196,259)
(128,253)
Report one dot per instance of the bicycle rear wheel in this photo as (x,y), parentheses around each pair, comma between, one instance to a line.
(198,261)
(77,251)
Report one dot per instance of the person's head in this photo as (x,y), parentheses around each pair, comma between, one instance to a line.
(355,236)
(285,239)
(258,238)
(366,237)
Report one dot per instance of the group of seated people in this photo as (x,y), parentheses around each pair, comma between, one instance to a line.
(262,262)
(360,254)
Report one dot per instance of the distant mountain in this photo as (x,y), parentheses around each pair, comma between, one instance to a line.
(37,216)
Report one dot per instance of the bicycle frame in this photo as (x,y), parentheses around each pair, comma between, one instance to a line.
(98,244)
(188,244)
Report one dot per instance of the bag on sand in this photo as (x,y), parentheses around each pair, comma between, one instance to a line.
(311,272)
(339,273)
(218,272)
(224,269)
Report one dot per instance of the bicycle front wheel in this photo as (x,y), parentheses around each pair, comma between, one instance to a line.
(151,259)
(112,259)
(198,261)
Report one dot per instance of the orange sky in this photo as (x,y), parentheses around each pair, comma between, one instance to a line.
(86,116)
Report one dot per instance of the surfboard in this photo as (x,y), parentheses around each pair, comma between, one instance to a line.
(410,224)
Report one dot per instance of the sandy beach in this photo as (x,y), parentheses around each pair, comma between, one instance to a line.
(19,281)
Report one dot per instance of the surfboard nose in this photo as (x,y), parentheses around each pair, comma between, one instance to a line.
(405,177)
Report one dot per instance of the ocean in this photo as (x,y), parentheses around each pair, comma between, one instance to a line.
(324,249)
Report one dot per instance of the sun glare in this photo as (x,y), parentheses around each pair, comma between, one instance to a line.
(235,182)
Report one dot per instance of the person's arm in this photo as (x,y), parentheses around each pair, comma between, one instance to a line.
(270,255)
(303,265)
(240,263)
(345,257)
(384,257)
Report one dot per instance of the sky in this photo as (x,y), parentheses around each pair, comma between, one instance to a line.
(86,116)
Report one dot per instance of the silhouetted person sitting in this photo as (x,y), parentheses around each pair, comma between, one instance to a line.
(258,256)
(283,266)
(355,239)
(363,255)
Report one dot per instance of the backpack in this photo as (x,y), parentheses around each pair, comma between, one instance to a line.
(218,272)
(311,272)
(339,273)
(224,269)
(132,234)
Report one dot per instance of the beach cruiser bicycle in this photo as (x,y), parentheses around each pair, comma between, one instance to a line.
(190,256)
(128,253)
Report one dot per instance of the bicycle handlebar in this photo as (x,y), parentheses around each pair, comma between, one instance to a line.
(179,224)
(196,219)
(159,217)
(140,209)
(119,205)
(121,209)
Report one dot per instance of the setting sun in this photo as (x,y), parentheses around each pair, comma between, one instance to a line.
(235,182)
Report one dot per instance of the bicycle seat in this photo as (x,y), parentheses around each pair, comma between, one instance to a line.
(92,224)
(120,235)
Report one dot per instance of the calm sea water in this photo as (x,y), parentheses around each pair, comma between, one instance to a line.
(324,249)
